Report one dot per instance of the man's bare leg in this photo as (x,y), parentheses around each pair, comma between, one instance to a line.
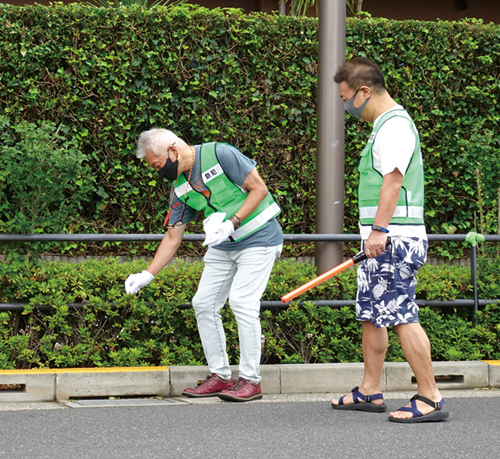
(417,350)
(374,343)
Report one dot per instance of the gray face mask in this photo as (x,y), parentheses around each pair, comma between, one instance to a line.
(355,111)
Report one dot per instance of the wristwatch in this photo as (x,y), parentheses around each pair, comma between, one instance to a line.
(379,228)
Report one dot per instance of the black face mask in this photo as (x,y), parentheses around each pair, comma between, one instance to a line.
(169,170)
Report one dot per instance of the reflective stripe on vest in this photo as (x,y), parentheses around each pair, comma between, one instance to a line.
(254,224)
(401,211)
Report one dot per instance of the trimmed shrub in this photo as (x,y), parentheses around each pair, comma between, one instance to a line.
(110,328)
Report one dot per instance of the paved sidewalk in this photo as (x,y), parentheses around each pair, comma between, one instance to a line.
(267,398)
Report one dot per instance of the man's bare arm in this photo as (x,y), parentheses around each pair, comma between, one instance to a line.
(388,200)
(167,249)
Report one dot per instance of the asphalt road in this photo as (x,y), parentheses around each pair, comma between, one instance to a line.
(247,431)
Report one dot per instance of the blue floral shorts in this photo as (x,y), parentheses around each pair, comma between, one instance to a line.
(387,283)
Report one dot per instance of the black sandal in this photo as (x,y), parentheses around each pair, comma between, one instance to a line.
(436,415)
(357,405)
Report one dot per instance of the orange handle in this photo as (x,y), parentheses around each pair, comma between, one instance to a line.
(309,285)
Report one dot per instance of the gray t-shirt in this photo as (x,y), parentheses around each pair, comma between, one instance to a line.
(236,166)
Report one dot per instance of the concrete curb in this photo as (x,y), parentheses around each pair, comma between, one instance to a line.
(63,384)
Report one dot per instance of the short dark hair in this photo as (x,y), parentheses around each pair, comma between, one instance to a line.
(361,71)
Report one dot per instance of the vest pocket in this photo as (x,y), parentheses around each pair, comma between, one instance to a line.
(219,193)
(369,197)
(365,161)
(403,197)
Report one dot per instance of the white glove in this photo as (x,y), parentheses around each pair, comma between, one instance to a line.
(135,282)
(213,221)
(211,224)
(216,230)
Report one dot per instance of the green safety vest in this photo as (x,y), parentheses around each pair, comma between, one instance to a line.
(225,196)
(410,207)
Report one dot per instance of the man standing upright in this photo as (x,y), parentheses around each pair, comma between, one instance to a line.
(243,238)
(391,203)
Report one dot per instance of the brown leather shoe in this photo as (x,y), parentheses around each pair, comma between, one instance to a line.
(243,391)
(209,387)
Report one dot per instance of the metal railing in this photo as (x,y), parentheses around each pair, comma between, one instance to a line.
(473,303)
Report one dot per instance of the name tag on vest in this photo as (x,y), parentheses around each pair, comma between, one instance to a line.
(211,173)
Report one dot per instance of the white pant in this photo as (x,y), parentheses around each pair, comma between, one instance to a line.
(242,276)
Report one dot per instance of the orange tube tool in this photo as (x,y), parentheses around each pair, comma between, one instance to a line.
(360,256)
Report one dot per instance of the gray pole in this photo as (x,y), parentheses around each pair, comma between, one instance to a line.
(330,145)
(282,7)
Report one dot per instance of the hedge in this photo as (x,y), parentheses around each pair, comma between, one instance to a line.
(104,75)
(114,329)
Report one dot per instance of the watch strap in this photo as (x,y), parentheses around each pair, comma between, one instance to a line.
(380,228)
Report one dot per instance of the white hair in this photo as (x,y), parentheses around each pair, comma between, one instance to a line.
(158,141)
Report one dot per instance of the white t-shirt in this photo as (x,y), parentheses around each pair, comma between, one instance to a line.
(393,148)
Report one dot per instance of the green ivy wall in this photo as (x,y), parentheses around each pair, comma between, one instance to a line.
(107,74)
